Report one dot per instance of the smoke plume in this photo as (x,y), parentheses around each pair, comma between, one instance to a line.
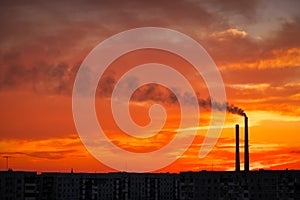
(210,103)
(235,110)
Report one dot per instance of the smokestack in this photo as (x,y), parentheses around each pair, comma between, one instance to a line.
(237,148)
(246,151)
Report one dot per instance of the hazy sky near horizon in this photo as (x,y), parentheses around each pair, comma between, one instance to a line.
(255,45)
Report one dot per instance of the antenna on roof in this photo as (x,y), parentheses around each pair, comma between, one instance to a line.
(7,157)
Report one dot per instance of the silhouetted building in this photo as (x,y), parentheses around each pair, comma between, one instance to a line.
(263,184)
(18,185)
(267,185)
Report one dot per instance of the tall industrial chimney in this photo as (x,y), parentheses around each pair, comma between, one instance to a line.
(237,148)
(246,151)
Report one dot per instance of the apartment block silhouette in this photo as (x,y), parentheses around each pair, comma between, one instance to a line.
(263,184)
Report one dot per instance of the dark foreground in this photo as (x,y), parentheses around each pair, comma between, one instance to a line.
(18,185)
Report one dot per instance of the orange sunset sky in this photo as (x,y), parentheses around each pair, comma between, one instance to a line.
(255,45)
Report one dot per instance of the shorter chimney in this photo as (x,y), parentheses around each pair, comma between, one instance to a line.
(237,148)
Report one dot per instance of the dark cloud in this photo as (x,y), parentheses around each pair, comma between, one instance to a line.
(156,93)
(243,8)
(57,20)
(287,37)
(295,152)
(106,86)
(52,155)
(43,77)
(273,76)
(42,43)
